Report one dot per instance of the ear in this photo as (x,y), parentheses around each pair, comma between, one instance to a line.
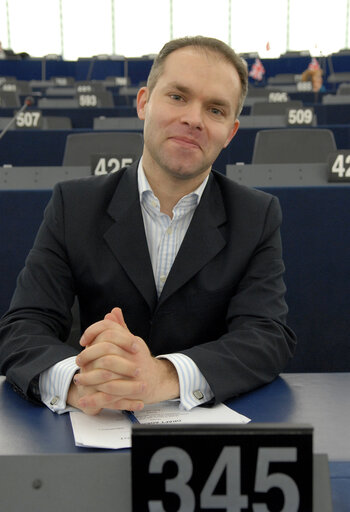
(232,133)
(141,102)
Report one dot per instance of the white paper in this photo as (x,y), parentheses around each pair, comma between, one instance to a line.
(112,429)
(109,429)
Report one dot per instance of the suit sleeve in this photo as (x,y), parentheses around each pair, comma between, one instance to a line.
(257,344)
(32,332)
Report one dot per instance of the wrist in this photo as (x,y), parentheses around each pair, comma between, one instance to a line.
(167,387)
(73,395)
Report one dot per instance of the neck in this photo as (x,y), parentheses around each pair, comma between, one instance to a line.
(170,189)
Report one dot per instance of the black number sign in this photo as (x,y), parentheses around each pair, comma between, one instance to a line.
(339,166)
(256,468)
(104,164)
(29,120)
(300,116)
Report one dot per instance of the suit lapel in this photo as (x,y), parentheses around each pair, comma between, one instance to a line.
(202,242)
(126,237)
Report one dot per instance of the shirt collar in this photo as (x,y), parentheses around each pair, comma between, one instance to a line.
(144,186)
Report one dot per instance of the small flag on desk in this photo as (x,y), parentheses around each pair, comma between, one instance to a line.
(257,71)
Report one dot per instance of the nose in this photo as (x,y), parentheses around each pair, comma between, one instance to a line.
(192,115)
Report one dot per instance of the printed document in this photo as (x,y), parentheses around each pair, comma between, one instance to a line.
(112,429)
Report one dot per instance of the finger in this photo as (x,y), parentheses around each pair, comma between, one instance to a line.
(128,405)
(124,404)
(98,350)
(76,392)
(99,376)
(108,357)
(101,400)
(121,388)
(109,331)
(93,377)
(116,315)
(91,411)
(83,392)
(94,330)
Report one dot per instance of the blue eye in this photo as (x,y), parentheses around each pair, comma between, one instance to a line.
(176,97)
(216,111)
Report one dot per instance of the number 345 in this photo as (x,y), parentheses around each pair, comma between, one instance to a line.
(229,461)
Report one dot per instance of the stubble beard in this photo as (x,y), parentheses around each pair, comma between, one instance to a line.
(176,167)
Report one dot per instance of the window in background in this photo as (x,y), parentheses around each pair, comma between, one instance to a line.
(316,28)
(202,17)
(34,26)
(134,28)
(3,25)
(87,28)
(141,28)
(259,27)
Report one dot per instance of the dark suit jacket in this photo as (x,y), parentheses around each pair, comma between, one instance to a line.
(222,304)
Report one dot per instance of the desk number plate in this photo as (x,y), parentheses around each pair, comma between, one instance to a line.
(29,120)
(339,166)
(256,468)
(300,116)
(105,164)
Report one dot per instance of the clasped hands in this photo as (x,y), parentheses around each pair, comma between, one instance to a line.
(117,370)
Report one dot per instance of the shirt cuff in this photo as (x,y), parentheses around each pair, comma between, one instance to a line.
(54,385)
(194,388)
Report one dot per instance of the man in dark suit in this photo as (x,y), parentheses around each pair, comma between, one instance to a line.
(178,270)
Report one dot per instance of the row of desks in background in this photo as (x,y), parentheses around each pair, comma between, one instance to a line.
(137,69)
(125,96)
(83,117)
(46,147)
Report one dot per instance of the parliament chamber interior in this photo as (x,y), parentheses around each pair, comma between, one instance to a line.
(63,120)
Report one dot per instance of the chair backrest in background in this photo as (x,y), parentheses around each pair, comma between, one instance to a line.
(282,78)
(118,123)
(58,103)
(280,108)
(295,145)
(344,88)
(336,99)
(9,99)
(57,123)
(263,121)
(81,146)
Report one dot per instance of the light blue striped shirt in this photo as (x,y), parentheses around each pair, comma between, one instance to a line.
(164,237)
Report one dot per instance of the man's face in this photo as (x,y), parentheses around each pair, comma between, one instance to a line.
(190,114)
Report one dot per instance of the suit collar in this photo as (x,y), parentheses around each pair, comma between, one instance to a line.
(126,237)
